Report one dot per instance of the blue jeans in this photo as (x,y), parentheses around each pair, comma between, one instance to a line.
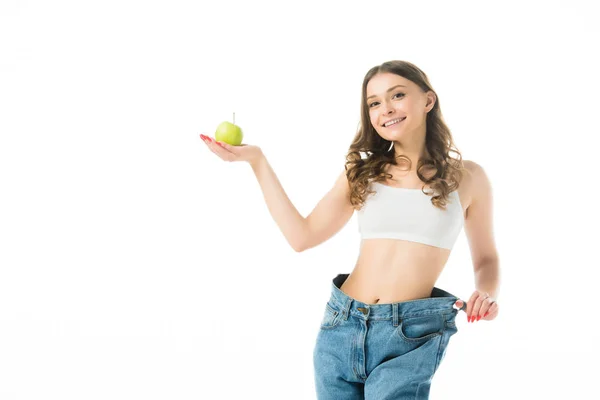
(381,351)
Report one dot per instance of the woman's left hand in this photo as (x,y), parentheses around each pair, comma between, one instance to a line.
(481,306)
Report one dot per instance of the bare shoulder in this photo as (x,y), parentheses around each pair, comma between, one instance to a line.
(476,172)
(476,181)
(471,166)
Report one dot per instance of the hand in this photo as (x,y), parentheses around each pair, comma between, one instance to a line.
(481,306)
(227,152)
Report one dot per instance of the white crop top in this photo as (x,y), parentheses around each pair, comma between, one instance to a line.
(408,214)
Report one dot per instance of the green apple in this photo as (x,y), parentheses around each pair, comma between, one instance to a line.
(229,133)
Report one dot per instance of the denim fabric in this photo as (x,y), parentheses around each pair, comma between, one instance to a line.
(381,351)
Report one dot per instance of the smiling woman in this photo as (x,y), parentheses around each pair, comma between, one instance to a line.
(386,326)
(399,91)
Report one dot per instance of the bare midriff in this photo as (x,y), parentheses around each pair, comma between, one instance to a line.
(392,270)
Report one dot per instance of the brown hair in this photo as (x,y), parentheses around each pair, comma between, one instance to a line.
(448,172)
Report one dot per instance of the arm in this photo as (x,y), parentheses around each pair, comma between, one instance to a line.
(328,217)
(480,235)
(287,217)
(330,214)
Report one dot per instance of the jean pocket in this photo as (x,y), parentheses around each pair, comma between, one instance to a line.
(331,317)
(421,328)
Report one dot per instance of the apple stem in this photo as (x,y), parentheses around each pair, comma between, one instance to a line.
(234,118)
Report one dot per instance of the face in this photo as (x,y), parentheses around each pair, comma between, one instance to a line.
(391,97)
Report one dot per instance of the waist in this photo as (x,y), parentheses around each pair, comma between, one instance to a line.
(436,300)
(391,271)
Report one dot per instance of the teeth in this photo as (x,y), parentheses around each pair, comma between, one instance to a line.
(393,122)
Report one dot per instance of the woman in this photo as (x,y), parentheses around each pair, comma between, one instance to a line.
(386,326)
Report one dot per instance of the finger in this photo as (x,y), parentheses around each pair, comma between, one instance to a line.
(486,304)
(218,150)
(477,308)
(207,139)
(492,312)
(459,304)
(228,147)
(470,304)
(475,316)
(476,299)
(481,305)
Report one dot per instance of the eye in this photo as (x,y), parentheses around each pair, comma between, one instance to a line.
(397,94)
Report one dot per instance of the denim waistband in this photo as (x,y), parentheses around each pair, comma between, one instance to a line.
(439,301)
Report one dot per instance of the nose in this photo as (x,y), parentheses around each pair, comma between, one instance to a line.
(387,108)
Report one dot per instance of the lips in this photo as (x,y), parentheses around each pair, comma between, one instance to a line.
(394,124)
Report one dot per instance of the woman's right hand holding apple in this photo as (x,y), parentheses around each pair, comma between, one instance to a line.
(227,152)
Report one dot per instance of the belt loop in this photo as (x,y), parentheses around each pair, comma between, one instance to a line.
(347,309)
(395,313)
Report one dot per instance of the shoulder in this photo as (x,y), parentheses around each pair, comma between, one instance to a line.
(471,166)
(475,183)
(476,172)
(476,180)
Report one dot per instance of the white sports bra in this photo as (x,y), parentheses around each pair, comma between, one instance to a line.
(407,214)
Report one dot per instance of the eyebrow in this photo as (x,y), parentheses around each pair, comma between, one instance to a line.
(389,90)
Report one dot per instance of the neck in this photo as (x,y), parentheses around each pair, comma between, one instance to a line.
(414,152)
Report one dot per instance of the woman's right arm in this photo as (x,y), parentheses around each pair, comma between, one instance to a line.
(329,216)
(291,223)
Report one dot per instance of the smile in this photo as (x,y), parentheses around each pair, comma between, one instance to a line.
(393,122)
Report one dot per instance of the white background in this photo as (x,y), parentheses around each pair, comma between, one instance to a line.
(135,264)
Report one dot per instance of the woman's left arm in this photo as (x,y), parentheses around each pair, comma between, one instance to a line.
(479,231)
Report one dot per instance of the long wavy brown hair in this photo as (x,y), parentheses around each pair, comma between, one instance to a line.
(438,170)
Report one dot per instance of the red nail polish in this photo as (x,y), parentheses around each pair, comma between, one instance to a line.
(486,314)
(478,317)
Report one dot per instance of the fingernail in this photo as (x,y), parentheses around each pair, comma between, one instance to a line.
(478,317)
(468,319)
(486,314)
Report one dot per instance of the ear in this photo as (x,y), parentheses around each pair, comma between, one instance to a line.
(431,99)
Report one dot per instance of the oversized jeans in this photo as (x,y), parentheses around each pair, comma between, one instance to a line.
(381,351)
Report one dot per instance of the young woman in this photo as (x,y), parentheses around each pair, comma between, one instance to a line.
(386,326)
